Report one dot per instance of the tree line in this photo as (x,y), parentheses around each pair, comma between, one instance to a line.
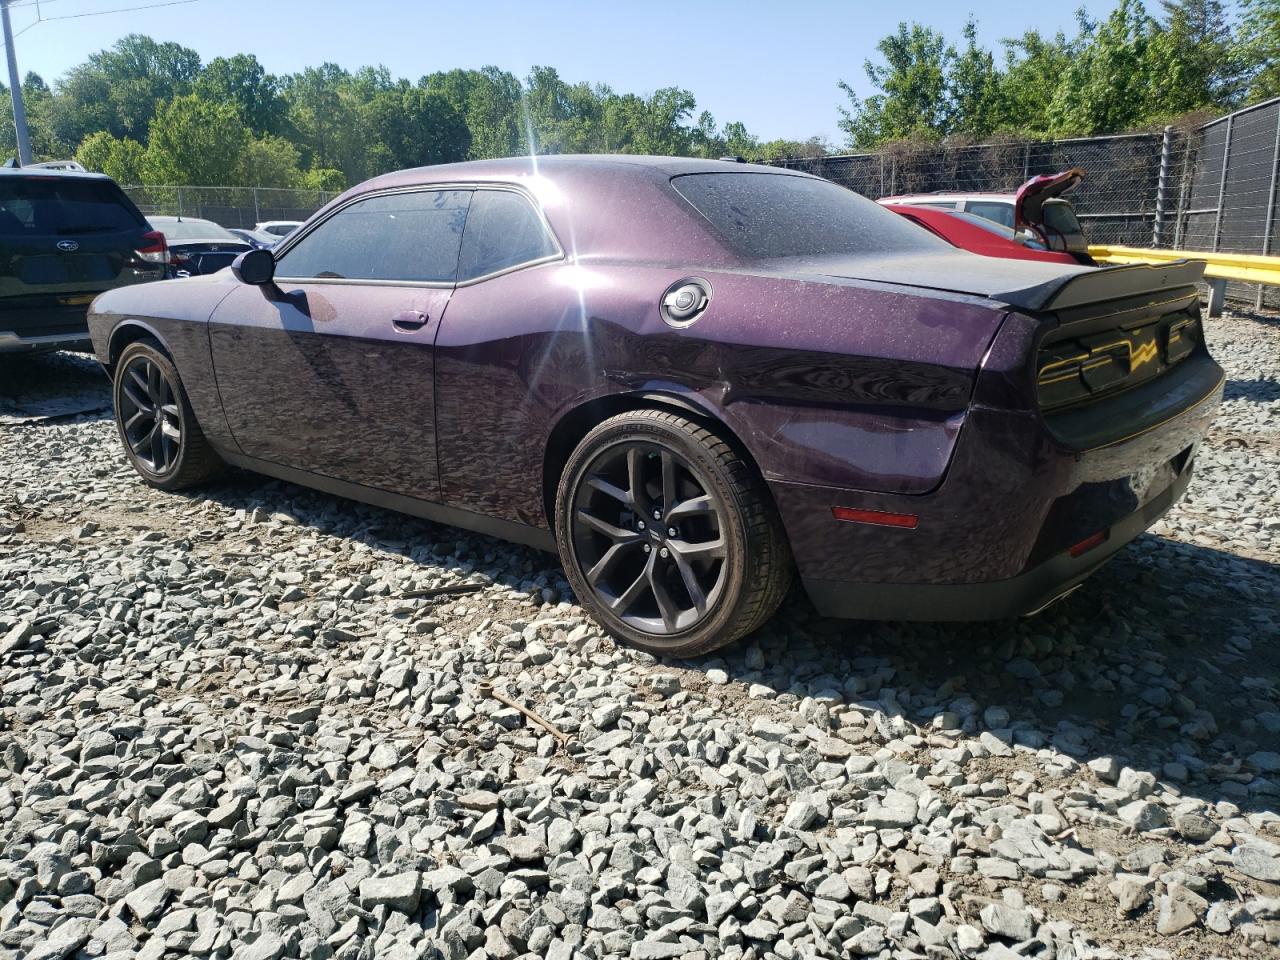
(154,113)
(1130,70)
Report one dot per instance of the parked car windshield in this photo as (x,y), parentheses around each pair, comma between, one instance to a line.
(50,206)
(765,216)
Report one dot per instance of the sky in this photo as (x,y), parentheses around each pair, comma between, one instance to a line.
(771,64)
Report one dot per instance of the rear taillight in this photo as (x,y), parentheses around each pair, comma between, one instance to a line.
(154,249)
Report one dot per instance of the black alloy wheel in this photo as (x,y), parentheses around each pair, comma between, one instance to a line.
(647,533)
(668,536)
(150,418)
(161,437)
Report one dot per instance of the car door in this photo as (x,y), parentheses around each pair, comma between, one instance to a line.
(331,369)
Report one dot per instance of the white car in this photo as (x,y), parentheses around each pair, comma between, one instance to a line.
(279,228)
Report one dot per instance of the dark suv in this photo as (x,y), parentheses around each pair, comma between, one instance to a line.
(66,236)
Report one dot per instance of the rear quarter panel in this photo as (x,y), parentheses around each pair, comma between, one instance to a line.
(855,384)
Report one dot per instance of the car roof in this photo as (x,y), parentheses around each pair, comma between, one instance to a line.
(558,166)
(163,218)
(49,173)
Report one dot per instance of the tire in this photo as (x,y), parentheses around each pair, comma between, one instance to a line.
(718,536)
(174,453)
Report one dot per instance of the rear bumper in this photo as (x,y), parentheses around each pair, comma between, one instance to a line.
(32,329)
(1023,595)
(994,540)
(11,342)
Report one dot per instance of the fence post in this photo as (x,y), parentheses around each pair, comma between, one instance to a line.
(893,175)
(1222,182)
(882,190)
(257,215)
(179,201)
(1271,202)
(1162,186)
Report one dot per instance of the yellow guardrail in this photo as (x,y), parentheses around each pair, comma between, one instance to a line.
(1220,267)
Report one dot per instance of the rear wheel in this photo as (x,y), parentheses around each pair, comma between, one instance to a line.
(161,437)
(668,536)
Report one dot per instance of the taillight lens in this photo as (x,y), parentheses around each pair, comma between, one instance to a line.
(154,248)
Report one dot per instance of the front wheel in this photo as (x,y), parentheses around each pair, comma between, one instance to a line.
(668,536)
(161,437)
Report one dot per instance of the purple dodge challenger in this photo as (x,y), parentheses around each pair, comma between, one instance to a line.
(695,379)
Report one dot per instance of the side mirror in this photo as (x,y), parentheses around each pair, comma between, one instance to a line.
(256,267)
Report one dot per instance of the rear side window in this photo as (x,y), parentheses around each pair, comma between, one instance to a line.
(503,231)
(1001,213)
(53,206)
(411,237)
(763,216)
(1061,217)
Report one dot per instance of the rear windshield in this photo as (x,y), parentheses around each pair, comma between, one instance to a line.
(764,216)
(36,206)
(1061,217)
(186,230)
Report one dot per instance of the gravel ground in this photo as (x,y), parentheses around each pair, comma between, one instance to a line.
(249,723)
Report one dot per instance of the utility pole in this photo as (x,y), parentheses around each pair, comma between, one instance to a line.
(15,89)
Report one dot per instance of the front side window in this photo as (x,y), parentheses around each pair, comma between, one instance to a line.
(1001,213)
(764,216)
(503,231)
(409,237)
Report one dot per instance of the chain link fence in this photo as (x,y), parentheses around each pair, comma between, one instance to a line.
(1212,187)
(1119,201)
(239,207)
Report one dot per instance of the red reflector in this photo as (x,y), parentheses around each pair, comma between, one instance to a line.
(1088,543)
(907,521)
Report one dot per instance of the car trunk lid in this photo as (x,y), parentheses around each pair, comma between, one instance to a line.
(1029,201)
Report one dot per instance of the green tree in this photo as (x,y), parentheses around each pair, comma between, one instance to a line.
(973,89)
(411,127)
(1194,62)
(489,100)
(119,159)
(1110,79)
(1258,48)
(242,80)
(319,113)
(912,82)
(118,90)
(269,162)
(1033,67)
(196,142)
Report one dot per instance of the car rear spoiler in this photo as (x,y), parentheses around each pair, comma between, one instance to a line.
(1106,283)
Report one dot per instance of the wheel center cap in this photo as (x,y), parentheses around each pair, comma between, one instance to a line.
(655,535)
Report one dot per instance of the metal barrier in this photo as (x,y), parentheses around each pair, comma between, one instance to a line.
(1221,267)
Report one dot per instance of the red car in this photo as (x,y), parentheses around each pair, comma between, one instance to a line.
(978,234)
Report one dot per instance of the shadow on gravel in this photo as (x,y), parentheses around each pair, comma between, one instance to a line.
(40,387)
(1167,656)
(1257,390)
(1164,660)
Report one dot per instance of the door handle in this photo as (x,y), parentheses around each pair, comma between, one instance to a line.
(409,319)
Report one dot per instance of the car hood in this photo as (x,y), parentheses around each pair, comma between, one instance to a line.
(1027,284)
(1028,202)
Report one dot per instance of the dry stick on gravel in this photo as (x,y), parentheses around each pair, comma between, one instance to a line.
(488,690)
(453,589)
